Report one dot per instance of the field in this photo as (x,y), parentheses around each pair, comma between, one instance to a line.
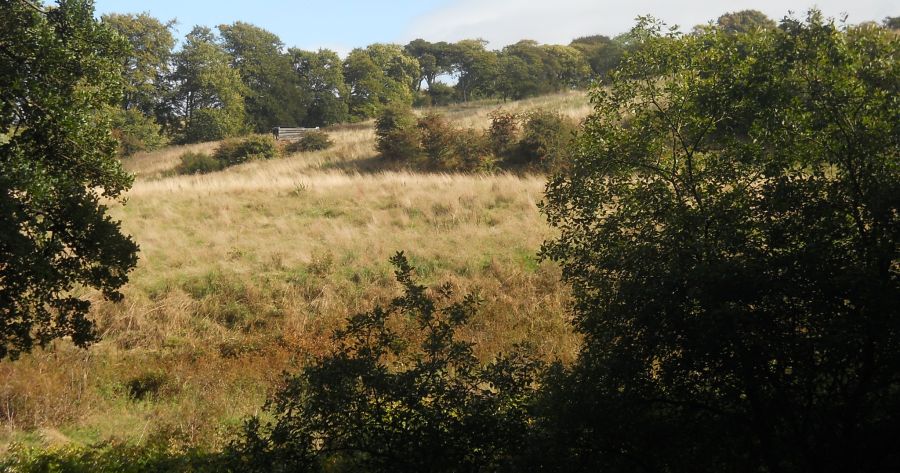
(244,272)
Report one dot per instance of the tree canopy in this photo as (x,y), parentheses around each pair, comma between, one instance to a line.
(59,69)
(730,231)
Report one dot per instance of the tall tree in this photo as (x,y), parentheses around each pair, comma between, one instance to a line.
(147,65)
(378,75)
(209,94)
(730,230)
(321,74)
(435,59)
(475,68)
(273,95)
(139,123)
(59,68)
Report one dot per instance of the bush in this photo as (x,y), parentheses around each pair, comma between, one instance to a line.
(136,132)
(311,141)
(437,138)
(442,94)
(546,140)
(397,137)
(399,393)
(472,150)
(210,124)
(239,150)
(197,163)
(504,132)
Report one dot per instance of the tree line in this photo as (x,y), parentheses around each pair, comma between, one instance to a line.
(240,78)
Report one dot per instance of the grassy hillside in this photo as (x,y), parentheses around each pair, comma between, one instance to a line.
(244,272)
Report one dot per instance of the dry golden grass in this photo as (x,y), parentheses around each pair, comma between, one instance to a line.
(244,272)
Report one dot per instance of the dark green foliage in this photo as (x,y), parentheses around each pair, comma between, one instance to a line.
(60,70)
(207,103)
(198,163)
(546,140)
(441,94)
(730,231)
(311,141)
(399,393)
(320,73)
(250,148)
(892,22)
(396,135)
(273,94)
(145,386)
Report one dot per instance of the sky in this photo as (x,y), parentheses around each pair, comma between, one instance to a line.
(342,25)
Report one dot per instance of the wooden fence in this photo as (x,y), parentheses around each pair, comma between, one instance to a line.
(285,133)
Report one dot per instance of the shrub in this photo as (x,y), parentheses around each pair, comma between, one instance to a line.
(311,141)
(211,124)
(546,140)
(441,94)
(238,150)
(397,137)
(504,132)
(472,150)
(399,393)
(197,163)
(437,138)
(145,385)
(136,132)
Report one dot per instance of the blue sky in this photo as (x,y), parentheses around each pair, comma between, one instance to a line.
(344,24)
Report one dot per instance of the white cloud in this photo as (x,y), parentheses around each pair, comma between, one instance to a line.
(559,21)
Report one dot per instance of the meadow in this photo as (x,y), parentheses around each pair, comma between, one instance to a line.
(243,274)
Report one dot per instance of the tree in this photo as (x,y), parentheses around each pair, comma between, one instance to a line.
(476,69)
(379,75)
(209,94)
(745,21)
(730,232)
(570,69)
(399,393)
(397,136)
(602,53)
(321,74)
(892,22)
(434,59)
(58,69)
(147,65)
(273,96)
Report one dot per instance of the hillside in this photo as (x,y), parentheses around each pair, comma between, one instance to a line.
(243,273)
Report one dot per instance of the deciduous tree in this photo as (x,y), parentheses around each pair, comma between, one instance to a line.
(59,69)
(730,230)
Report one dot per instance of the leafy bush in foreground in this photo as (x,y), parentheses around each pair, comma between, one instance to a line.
(399,393)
